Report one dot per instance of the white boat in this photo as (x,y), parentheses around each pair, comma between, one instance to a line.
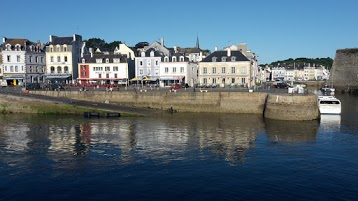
(327,89)
(329,105)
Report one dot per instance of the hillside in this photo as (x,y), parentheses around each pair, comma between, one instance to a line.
(300,62)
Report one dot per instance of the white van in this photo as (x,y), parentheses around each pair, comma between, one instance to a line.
(3,83)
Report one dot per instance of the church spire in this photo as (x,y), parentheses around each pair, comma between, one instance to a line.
(197,42)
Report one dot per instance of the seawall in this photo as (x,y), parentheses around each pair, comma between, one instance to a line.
(344,73)
(282,107)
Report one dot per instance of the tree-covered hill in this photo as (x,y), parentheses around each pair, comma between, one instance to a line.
(301,62)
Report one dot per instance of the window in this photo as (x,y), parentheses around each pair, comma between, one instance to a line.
(30,59)
(181,69)
(42,60)
(166,59)
(174,69)
(65,49)
(214,80)
(58,59)
(8,58)
(11,68)
(107,60)
(115,75)
(51,49)
(83,67)
(214,70)
(83,60)
(83,73)
(98,61)
(65,58)
(223,70)
(233,58)
(166,69)
(205,80)
(149,62)
(59,69)
(18,58)
(16,69)
(233,70)
(58,49)
(115,68)
(36,59)
(52,69)
(223,59)
(66,69)
(213,59)
(51,59)
(174,59)
(140,63)
(205,70)
(243,80)
(181,59)
(5,68)
(141,71)
(156,63)
(107,68)
(99,75)
(232,80)
(107,75)
(243,70)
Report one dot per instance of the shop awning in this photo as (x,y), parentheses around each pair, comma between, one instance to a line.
(57,76)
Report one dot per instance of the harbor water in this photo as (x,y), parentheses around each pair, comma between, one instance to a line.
(180,157)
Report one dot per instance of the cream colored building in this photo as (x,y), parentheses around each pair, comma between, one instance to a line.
(62,57)
(225,68)
(125,50)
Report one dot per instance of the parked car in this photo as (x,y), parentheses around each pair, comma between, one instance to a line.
(282,85)
(177,86)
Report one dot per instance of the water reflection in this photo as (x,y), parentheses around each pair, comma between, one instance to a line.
(291,131)
(163,139)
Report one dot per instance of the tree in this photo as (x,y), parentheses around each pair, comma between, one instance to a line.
(141,44)
(113,45)
(96,43)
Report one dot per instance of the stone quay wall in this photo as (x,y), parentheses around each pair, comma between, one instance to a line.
(344,73)
(282,107)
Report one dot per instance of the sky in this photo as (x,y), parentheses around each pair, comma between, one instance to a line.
(273,29)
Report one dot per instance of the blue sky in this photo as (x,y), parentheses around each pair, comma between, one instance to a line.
(273,29)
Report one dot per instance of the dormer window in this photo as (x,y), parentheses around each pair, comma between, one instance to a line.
(181,59)
(116,61)
(83,60)
(223,59)
(51,49)
(233,58)
(17,47)
(8,47)
(58,48)
(166,59)
(99,61)
(107,60)
(65,48)
(174,59)
(214,59)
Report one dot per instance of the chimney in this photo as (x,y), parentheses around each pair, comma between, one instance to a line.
(91,51)
(162,41)
(4,39)
(216,48)
(74,37)
(50,38)
(229,52)
(175,49)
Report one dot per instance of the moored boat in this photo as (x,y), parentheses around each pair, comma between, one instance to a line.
(329,105)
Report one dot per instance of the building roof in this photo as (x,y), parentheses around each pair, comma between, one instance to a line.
(89,59)
(219,54)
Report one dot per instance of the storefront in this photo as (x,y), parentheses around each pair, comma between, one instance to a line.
(14,79)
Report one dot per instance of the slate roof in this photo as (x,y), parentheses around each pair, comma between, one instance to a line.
(219,54)
(156,53)
(177,55)
(24,43)
(89,59)
(56,40)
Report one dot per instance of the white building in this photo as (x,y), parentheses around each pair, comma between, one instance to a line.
(23,61)
(103,69)
(278,73)
(175,70)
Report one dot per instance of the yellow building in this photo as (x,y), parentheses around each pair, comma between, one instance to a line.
(225,68)
(62,57)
